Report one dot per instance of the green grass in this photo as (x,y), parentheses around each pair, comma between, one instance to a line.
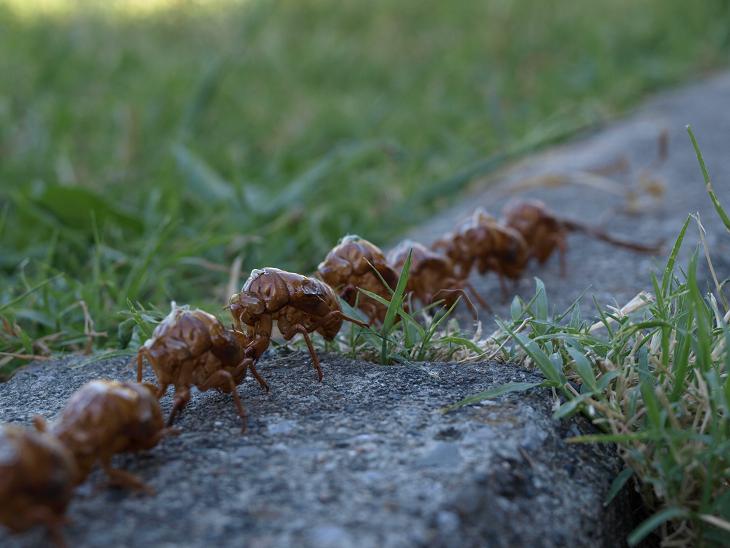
(160,156)
(157,156)
(408,334)
(654,378)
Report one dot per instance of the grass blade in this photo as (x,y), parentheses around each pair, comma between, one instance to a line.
(708,182)
(583,367)
(669,269)
(463,342)
(401,312)
(535,352)
(201,179)
(648,525)
(541,301)
(492,393)
(396,303)
(570,406)
(31,290)
(617,484)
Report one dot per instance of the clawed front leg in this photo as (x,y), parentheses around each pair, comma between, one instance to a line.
(249,362)
(260,337)
(262,382)
(298,328)
(332,316)
(182,397)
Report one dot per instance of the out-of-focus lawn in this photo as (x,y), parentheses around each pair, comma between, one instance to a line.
(143,150)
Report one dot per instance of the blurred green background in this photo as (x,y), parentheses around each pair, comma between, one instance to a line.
(149,149)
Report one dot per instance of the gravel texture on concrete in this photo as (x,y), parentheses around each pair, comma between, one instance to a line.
(576,180)
(366,458)
(363,459)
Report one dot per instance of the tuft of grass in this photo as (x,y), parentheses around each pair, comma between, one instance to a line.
(407,334)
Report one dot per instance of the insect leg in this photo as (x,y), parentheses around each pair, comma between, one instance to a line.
(349,294)
(55,529)
(339,313)
(141,355)
(123,478)
(315,359)
(165,432)
(441,243)
(461,293)
(182,397)
(161,391)
(140,363)
(477,297)
(260,336)
(371,310)
(224,380)
(40,423)
(333,316)
(54,523)
(262,382)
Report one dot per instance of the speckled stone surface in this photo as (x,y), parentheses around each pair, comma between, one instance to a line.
(364,459)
